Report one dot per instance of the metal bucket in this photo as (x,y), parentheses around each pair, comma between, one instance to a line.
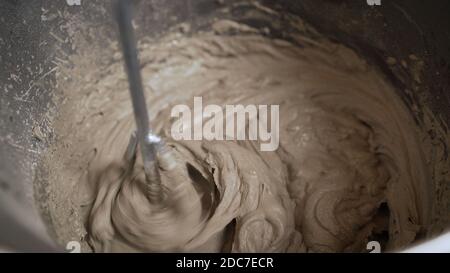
(34,37)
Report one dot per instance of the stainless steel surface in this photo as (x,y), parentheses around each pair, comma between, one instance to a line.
(440,244)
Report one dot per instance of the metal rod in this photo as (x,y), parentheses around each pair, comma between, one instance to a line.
(145,138)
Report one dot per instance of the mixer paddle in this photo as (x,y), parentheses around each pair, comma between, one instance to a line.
(154,151)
